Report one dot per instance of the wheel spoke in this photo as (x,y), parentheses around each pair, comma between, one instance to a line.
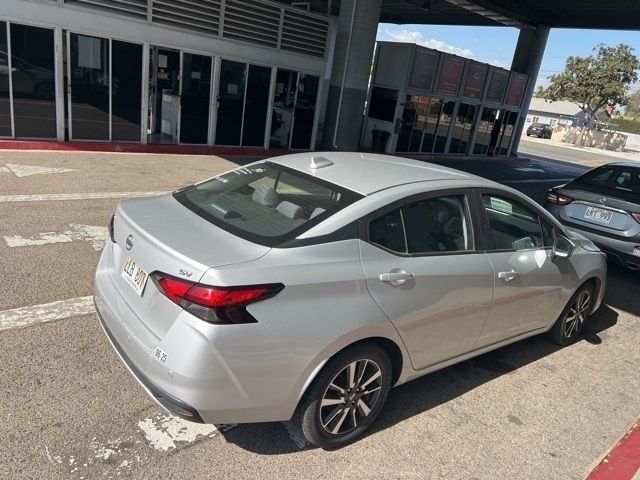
(376,375)
(362,370)
(336,387)
(367,392)
(331,401)
(364,407)
(354,421)
(352,374)
(336,428)
(332,417)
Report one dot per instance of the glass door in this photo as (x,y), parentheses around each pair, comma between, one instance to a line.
(231,93)
(89,82)
(256,106)
(195,99)
(284,99)
(5,96)
(304,112)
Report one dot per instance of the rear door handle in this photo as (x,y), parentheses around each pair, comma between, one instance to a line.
(508,276)
(397,277)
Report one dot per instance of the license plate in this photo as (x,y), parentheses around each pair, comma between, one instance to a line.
(636,251)
(598,215)
(134,275)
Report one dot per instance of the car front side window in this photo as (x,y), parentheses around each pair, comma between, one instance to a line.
(513,226)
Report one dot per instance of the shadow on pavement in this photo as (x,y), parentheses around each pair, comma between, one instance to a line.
(430,391)
(623,289)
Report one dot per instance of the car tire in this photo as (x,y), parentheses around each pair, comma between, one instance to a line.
(349,410)
(568,327)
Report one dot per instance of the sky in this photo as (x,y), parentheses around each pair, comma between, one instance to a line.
(496,45)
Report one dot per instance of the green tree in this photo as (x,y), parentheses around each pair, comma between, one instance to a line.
(596,80)
(633,106)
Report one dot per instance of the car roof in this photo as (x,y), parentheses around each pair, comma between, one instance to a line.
(366,173)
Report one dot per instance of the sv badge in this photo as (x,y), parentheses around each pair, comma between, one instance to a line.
(185,273)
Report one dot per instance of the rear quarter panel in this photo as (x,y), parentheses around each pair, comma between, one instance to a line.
(325,304)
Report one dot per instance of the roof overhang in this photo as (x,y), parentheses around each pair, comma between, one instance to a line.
(591,14)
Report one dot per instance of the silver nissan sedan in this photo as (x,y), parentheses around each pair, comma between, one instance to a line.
(305,286)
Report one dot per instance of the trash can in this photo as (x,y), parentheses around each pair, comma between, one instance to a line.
(379,139)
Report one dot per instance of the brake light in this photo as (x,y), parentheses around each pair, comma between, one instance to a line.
(220,305)
(636,217)
(111,232)
(558,198)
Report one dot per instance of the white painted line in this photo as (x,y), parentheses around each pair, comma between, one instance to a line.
(166,432)
(53,197)
(28,170)
(47,312)
(4,170)
(96,235)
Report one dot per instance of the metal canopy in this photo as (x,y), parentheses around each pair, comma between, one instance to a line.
(600,14)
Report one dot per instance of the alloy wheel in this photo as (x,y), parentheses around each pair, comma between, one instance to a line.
(350,397)
(577,314)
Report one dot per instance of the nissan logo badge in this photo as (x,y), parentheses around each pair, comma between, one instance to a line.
(129,242)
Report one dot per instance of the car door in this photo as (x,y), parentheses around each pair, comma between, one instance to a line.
(424,271)
(531,284)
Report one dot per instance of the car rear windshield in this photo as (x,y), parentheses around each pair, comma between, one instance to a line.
(265,203)
(624,181)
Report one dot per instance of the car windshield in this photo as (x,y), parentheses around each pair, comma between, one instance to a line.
(265,203)
(623,180)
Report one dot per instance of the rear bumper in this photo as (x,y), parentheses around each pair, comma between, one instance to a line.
(212,374)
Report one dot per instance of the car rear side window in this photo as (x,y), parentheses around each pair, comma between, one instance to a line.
(514,226)
(265,203)
(427,226)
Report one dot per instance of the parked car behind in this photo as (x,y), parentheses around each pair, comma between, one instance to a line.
(604,206)
(541,130)
(305,286)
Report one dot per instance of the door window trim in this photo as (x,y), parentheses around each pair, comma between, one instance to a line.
(470,213)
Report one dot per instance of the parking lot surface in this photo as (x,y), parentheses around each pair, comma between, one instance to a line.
(69,409)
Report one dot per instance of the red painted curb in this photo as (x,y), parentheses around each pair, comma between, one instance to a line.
(139,148)
(623,461)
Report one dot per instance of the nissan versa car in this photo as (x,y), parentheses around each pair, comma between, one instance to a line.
(604,206)
(305,286)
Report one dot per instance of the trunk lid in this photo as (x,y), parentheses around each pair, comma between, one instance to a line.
(167,237)
(585,210)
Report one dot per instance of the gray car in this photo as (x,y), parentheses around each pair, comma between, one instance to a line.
(604,206)
(305,286)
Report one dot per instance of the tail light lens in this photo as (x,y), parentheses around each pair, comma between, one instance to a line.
(111,232)
(219,305)
(636,217)
(558,198)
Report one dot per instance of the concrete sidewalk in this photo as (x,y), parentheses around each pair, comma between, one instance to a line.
(626,155)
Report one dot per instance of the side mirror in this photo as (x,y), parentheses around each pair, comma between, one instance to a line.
(563,247)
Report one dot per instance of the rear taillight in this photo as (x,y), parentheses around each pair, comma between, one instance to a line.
(636,217)
(111,232)
(558,198)
(220,305)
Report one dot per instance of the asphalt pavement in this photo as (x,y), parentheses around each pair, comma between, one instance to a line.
(69,409)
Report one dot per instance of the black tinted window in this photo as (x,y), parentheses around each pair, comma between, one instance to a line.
(513,226)
(433,225)
(437,225)
(624,180)
(387,232)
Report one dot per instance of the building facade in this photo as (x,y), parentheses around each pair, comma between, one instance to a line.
(243,73)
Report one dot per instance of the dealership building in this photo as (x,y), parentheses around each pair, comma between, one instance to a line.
(272,75)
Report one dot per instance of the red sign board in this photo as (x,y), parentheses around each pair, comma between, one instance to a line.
(497,85)
(515,92)
(474,83)
(450,74)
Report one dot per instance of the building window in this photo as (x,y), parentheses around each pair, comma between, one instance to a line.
(383,103)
